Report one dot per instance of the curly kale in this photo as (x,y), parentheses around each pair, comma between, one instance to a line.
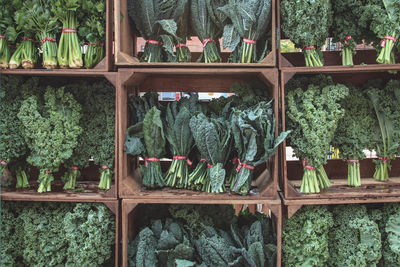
(307,24)
(355,239)
(313,114)
(13,147)
(51,131)
(354,132)
(305,237)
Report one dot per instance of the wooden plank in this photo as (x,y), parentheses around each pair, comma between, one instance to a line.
(56,72)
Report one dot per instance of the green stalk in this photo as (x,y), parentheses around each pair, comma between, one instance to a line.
(70,177)
(243,177)
(94,54)
(16,58)
(177,175)
(382,170)
(309,183)
(198,177)
(45,180)
(152,175)
(49,50)
(29,54)
(323,178)
(22,179)
(105,179)
(347,56)
(5,53)
(353,174)
(152,53)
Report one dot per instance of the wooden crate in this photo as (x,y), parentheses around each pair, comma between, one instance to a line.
(126,51)
(331,58)
(113,205)
(105,65)
(186,80)
(130,213)
(292,171)
(91,192)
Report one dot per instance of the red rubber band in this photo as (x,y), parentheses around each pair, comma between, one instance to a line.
(53,40)
(152,159)
(203,160)
(28,39)
(244,165)
(3,163)
(391,38)
(307,166)
(249,41)
(3,37)
(384,159)
(179,45)
(68,30)
(309,47)
(347,38)
(154,42)
(104,167)
(189,162)
(207,40)
(48,172)
(74,168)
(209,165)
(353,161)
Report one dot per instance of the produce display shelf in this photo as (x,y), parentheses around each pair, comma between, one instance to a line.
(130,213)
(186,80)
(126,50)
(292,171)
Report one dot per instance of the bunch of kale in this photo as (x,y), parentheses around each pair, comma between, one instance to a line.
(195,235)
(54,234)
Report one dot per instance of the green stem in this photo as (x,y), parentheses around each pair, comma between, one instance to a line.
(16,58)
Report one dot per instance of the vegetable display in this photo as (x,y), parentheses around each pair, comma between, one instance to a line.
(342,235)
(56,234)
(199,235)
(313,112)
(307,24)
(355,132)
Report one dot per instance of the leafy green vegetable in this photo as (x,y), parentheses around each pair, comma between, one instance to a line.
(354,132)
(307,24)
(51,131)
(313,113)
(250,19)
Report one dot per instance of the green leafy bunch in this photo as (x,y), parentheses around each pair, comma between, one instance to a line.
(139,105)
(156,20)
(355,131)
(213,140)
(56,234)
(348,28)
(307,24)
(51,131)
(305,237)
(313,113)
(253,130)
(92,30)
(250,19)
(13,147)
(355,239)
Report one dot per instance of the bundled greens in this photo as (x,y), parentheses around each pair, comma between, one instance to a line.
(387,126)
(307,24)
(313,112)
(196,235)
(51,129)
(156,21)
(56,234)
(208,22)
(12,142)
(355,132)
(253,130)
(147,139)
(249,21)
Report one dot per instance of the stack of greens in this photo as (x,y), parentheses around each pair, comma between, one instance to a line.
(195,235)
(56,234)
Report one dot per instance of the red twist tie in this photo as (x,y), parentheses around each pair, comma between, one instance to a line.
(3,163)
(3,37)
(244,165)
(308,167)
(104,167)
(384,159)
(353,161)
(151,159)
(391,38)
(68,30)
(48,172)
(189,162)
(309,47)
(347,39)
(249,41)
(154,42)
(53,40)
(179,45)
(207,40)
(383,43)
(209,165)
(28,39)
(203,160)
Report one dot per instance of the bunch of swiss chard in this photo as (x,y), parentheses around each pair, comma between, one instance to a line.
(307,24)
(313,112)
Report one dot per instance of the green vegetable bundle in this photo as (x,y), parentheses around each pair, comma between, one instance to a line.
(208,22)
(253,130)
(147,139)
(157,23)
(56,234)
(387,126)
(213,140)
(313,113)
(307,24)
(355,132)
(12,143)
(51,129)
(250,19)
